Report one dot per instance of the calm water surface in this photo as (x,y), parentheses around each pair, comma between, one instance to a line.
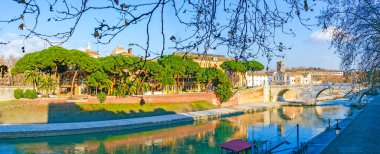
(197,137)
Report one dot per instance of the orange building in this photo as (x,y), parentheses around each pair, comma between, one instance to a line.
(206,61)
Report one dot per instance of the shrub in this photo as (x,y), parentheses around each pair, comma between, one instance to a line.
(31,94)
(101,97)
(18,93)
(223,91)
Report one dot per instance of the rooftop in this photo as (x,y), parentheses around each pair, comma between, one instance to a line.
(202,56)
(120,50)
(236,145)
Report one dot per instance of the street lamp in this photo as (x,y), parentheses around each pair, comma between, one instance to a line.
(337,128)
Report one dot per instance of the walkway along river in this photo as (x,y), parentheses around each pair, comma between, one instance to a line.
(203,136)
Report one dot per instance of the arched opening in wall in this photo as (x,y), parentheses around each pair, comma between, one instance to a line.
(3,74)
(329,94)
(287,95)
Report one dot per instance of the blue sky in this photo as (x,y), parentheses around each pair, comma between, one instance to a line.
(310,48)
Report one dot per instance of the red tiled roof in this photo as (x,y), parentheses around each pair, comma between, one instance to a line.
(236,145)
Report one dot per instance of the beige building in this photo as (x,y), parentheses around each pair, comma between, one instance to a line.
(281,77)
(119,50)
(206,61)
(90,52)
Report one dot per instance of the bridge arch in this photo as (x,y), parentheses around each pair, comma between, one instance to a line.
(321,91)
(307,93)
(334,93)
(3,70)
(364,93)
(287,95)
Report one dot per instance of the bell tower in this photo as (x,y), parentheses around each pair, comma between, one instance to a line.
(280,66)
(88,47)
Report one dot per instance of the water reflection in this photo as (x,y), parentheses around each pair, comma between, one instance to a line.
(199,137)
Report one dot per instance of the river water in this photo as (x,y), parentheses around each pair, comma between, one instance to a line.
(197,137)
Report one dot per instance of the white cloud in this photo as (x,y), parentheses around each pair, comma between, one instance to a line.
(81,48)
(13,48)
(325,35)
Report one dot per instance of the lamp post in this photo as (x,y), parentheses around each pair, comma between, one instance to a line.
(329,126)
(337,128)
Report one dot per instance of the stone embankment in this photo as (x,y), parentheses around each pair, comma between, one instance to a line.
(362,135)
(358,133)
(319,142)
(55,129)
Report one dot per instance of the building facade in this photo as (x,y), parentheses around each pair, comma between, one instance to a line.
(119,50)
(281,77)
(255,79)
(278,77)
(206,61)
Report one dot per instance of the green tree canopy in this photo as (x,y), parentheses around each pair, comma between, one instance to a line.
(234,66)
(98,80)
(177,66)
(254,66)
(173,64)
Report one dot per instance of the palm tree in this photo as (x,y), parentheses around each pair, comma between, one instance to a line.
(32,77)
(47,83)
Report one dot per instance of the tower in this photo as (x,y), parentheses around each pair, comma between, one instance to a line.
(280,66)
(88,47)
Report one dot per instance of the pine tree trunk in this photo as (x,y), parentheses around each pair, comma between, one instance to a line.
(72,82)
(152,87)
(177,88)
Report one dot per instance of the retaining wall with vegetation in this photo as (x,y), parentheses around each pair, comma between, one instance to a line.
(169,98)
(6,92)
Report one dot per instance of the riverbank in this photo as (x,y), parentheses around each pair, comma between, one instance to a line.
(319,142)
(55,129)
(362,135)
(355,133)
(28,113)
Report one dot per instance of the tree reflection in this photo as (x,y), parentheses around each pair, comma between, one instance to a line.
(199,137)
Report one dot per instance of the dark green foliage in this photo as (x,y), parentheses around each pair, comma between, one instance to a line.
(215,78)
(254,66)
(242,67)
(101,97)
(18,93)
(223,91)
(173,64)
(55,60)
(31,94)
(98,80)
(120,75)
(177,66)
(234,66)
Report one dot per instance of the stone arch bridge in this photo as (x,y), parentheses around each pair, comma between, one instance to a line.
(307,93)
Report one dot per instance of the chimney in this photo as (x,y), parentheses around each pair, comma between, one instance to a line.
(130,51)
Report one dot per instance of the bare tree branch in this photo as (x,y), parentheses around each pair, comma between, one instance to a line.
(246,28)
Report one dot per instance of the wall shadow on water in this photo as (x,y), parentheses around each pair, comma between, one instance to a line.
(127,141)
(71,112)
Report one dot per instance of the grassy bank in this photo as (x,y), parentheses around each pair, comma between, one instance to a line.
(77,112)
(149,107)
